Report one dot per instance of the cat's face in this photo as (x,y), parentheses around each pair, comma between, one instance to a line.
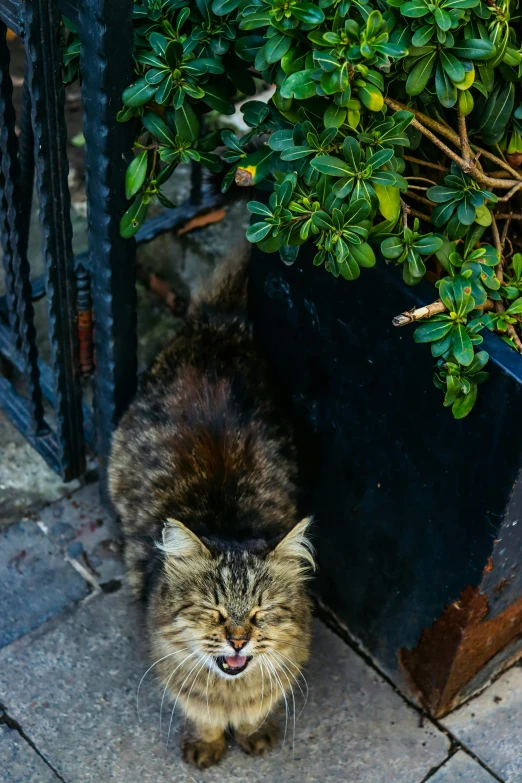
(234,609)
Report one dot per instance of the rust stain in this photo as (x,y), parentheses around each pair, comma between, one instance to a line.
(452,651)
(501,585)
(489,565)
(202,220)
(85,339)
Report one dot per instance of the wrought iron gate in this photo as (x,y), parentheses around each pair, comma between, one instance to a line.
(97,287)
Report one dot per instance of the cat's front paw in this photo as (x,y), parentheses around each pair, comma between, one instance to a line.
(203,754)
(259,742)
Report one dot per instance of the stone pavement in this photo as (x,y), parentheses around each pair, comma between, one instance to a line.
(72,655)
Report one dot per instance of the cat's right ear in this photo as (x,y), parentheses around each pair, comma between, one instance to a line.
(180,542)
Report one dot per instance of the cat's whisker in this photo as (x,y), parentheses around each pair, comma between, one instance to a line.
(278,680)
(167,684)
(270,705)
(210,671)
(262,689)
(305,696)
(176,700)
(293,699)
(148,670)
(203,663)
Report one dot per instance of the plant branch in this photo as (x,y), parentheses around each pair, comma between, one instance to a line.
(420,215)
(464,141)
(419,198)
(508,216)
(435,308)
(405,212)
(426,163)
(450,134)
(499,271)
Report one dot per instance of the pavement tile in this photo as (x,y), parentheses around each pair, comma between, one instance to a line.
(26,481)
(491,726)
(35,581)
(87,532)
(19,763)
(461,768)
(73,690)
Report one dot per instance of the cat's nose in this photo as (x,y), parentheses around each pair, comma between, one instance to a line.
(238,643)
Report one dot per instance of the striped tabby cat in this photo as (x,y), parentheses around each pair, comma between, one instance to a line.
(202,474)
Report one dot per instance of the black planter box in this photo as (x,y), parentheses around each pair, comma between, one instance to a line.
(419,516)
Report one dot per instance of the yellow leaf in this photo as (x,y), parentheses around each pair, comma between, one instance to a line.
(389,201)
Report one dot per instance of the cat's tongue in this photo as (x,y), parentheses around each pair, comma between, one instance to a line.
(236,661)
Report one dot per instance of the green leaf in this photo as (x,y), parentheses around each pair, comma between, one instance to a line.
(479,362)
(432,330)
(224,7)
(257,231)
(446,90)
(159,129)
(138,93)
(276,47)
(461,345)
(392,247)
(216,99)
(281,140)
(352,153)
(308,12)
(322,220)
(349,269)
(473,49)
(515,308)
(135,174)
(334,167)
(420,73)
(415,9)
(464,404)
(159,43)
(363,254)
(299,85)
(173,54)
(452,66)
(446,293)
(259,209)
(187,123)
(427,244)
(133,217)
(334,116)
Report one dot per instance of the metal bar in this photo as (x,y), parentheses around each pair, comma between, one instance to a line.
(26,157)
(12,14)
(9,352)
(19,412)
(106,30)
(16,264)
(50,152)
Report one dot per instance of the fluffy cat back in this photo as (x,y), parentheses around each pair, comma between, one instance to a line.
(204,442)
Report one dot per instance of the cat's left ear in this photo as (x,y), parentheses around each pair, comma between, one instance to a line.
(180,542)
(296,545)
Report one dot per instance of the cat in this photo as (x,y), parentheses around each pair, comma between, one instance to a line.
(203,475)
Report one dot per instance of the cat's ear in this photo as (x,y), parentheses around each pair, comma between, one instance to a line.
(296,545)
(178,541)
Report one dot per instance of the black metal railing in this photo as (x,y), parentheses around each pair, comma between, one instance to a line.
(91,299)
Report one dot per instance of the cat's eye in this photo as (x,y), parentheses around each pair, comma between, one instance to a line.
(254,615)
(220,615)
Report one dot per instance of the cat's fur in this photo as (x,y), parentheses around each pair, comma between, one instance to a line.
(202,474)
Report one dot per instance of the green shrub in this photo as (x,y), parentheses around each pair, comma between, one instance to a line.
(395,126)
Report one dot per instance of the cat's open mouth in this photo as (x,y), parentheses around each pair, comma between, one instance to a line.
(233,664)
